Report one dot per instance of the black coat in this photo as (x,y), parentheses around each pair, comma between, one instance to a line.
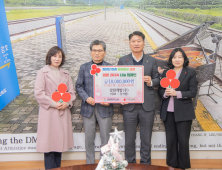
(183,107)
(150,69)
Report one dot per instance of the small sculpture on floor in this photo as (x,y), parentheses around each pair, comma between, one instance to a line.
(112,158)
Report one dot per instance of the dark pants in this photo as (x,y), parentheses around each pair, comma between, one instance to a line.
(52,160)
(131,120)
(177,139)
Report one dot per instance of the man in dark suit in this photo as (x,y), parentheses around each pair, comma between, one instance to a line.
(143,114)
(93,112)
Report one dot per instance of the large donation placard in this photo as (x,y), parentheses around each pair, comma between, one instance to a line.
(118,84)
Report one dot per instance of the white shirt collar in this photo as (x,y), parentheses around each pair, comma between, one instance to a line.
(139,58)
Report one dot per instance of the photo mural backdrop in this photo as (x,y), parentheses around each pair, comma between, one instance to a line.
(32,33)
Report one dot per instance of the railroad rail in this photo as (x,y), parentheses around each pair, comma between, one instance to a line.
(186,24)
(183,23)
(42,18)
(168,34)
(17,27)
(146,19)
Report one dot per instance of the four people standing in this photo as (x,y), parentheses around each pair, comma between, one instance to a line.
(54,124)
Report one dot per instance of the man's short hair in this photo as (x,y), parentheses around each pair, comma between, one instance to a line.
(137,33)
(97,42)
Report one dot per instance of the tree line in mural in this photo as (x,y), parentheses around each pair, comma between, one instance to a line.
(174,4)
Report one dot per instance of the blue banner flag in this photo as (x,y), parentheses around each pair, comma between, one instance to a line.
(60,32)
(9,87)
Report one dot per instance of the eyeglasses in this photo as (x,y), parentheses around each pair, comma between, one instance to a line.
(99,51)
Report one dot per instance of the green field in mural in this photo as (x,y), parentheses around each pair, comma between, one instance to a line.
(34,13)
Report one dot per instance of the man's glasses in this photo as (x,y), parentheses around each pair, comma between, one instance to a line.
(99,51)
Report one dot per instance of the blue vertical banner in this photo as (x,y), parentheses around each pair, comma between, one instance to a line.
(9,87)
(58,31)
(61,33)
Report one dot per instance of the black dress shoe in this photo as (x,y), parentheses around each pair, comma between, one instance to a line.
(174,166)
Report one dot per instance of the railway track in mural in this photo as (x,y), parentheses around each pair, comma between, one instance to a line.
(42,18)
(185,24)
(18,27)
(174,32)
(168,31)
(181,23)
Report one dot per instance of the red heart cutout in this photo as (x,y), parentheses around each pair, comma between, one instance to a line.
(175,83)
(94,66)
(56,96)
(62,88)
(171,74)
(66,97)
(165,82)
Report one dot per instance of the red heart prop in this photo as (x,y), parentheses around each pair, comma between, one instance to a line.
(66,97)
(175,83)
(56,96)
(165,82)
(62,88)
(171,74)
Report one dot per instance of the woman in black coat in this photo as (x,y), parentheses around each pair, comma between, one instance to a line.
(177,110)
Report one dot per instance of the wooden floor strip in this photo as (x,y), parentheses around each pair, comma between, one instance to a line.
(39,165)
